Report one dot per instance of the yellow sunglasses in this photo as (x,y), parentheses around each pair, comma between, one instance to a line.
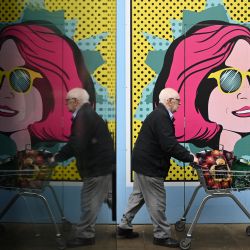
(20,79)
(229,80)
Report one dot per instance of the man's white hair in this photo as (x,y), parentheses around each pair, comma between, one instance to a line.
(80,94)
(167,93)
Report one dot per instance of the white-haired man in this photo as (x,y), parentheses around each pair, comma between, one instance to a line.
(92,145)
(155,145)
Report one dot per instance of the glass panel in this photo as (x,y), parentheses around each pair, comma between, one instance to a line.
(208,64)
(50,58)
(216,114)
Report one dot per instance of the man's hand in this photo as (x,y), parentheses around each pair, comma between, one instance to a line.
(51,159)
(196,160)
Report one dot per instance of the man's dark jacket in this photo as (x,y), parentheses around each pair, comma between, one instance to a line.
(90,143)
(156,144)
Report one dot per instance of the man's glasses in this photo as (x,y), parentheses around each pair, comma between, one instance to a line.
(229,80)
(176,99)
(20,79)
(69,99)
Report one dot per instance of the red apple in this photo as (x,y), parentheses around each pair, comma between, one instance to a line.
(216,186)
(39,160)
(221,153)
(215,153)
(210,160)
(229,182)
(204,166)
(225,184)
(210,182)
(30,153)
(206,174)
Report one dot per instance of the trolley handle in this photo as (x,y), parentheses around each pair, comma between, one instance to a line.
(195,165)
(52,164)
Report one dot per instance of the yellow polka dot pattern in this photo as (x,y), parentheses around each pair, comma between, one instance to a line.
(93,17)
(68,172)
(154,17)
(180,173)
(11,10)
(238,10)
(136,128)
(111,127)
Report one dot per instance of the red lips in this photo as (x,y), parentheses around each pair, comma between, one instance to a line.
(7,112)
(243,112)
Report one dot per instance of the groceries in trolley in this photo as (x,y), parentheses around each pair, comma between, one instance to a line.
(28,169)
(34,166)
(216,168)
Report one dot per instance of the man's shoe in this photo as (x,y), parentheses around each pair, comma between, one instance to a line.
(167,242)
(126,233)
(76,242)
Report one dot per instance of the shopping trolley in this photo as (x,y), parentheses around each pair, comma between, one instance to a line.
(28,175)
(218,180)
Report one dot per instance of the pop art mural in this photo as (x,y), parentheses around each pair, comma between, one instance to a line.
(201,49)
(45,50)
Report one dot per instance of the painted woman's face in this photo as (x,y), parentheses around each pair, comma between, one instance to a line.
(229,104)
(20,102)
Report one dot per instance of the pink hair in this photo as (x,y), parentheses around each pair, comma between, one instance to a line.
(194,57)
(51,54)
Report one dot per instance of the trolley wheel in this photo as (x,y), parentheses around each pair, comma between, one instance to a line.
(61,244)
(185,244)
(66,225)
(37,235)
(248,231)
(180,226)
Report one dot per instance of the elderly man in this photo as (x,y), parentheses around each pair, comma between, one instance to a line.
(155,145)
(91,143)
